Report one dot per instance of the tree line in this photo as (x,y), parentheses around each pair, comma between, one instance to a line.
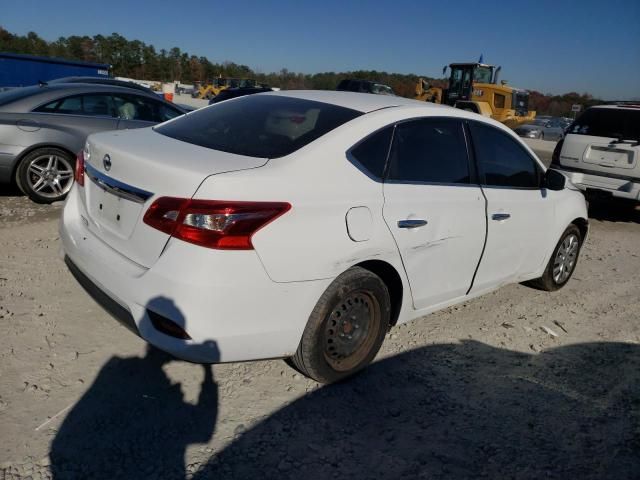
(136,59)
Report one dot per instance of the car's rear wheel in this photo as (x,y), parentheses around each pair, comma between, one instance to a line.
(346,328)
(562,263)
(46,175)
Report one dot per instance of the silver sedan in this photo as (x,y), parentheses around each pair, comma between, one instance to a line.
(42,128)
(543,129)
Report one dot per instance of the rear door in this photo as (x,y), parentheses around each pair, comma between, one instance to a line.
(519,212)
(434,211)
(78,116)
(604,141)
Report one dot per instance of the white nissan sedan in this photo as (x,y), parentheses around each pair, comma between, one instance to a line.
(305,224)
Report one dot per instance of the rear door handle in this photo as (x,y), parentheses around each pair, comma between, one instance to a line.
(411,223)
(500,216)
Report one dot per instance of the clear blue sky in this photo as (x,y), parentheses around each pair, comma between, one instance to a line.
(551,46)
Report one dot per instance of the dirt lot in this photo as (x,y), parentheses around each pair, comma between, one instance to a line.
(517,384)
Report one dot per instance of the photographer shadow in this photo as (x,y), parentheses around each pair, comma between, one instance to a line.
(133,422)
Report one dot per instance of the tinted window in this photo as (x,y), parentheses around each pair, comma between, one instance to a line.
(429,151)
(608,122)
(98,104)
(372,152)
(501,160)
(134,107)
(266,126)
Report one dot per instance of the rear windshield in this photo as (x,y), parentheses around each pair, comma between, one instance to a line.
(18,93)
(608,122)
(266,126)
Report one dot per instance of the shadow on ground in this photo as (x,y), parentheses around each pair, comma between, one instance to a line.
(615,210)
(457,411)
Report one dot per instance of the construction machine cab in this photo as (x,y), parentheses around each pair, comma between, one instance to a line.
(463,77)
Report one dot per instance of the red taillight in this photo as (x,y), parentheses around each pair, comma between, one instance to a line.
(225,225)
(79,173)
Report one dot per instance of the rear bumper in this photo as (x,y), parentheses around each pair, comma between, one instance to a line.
(619,186)
(224,300)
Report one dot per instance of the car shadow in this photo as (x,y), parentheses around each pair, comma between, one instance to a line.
(614,210)
(457,411)
(10,190)
(133,422)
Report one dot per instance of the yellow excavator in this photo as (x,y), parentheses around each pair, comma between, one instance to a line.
(214,87)
(474,87)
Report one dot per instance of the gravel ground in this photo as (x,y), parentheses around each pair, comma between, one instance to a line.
(517,384)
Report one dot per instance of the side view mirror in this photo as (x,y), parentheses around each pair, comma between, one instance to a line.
(554,180)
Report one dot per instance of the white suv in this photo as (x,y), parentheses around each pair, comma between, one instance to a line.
(601,151)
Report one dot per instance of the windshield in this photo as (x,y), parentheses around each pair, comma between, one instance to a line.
(265,126)
(482,75)
(539,122)
(608,122)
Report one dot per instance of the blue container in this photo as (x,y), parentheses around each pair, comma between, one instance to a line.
(24,70)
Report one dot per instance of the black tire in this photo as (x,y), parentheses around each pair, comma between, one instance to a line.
(26,178)
(323,353)
(548,281)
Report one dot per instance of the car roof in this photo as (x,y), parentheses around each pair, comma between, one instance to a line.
(627,106)
(27,98)
(362,102)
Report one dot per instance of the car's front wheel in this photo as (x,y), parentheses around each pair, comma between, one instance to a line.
(562,262)
(346,328)
(46,175)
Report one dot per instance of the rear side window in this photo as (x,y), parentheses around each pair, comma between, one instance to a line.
(92,105)
(431,151)
(608,122)
(502,162)
(265,126)
(372,152)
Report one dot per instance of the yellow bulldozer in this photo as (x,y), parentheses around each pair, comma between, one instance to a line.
(475,87)
(214,87)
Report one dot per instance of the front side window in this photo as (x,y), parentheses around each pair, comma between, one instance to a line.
(264,126)
(429,151)
(502,162)
(134,107)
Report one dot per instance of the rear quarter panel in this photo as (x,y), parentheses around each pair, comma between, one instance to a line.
(311,241)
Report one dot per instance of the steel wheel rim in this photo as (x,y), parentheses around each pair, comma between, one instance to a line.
(565,260)
(50,176)
(351,330)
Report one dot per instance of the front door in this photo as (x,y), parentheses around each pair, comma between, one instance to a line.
(436,215)
(519,211)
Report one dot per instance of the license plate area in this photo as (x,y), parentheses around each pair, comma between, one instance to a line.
(610,157)
(111,212)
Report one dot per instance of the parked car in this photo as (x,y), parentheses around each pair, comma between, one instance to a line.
(42,129)
(543,129)
(237,92)
(103,81)
(364,86)
(305,224)
(600,152)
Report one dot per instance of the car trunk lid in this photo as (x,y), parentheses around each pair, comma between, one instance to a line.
(127,170)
